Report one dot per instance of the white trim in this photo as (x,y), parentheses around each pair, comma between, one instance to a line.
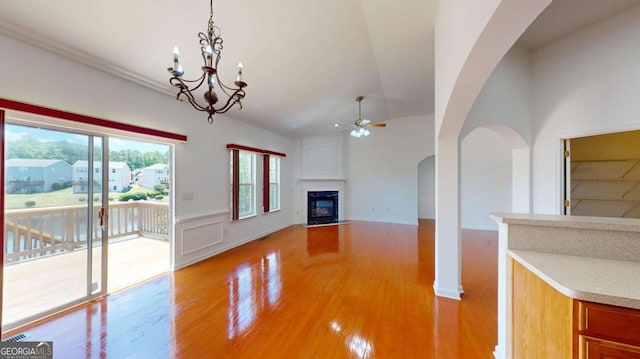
(50,45)
(360,219)
(447,293)
(201,215)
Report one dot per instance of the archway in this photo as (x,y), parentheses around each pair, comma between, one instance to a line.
(471,38)
(494,170)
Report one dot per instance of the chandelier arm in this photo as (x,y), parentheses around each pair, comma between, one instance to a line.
(191,100)
(195,103)
(200,80)
(237,96)
(224,88)
(185,91)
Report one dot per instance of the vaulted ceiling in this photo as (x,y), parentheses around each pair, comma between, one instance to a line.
(305,60)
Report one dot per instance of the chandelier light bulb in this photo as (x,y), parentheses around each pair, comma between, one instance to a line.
(240,68)
(176,57)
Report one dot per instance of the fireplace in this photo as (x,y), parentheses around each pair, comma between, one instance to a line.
(322,207)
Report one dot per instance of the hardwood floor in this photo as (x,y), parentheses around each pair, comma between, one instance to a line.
(358,290)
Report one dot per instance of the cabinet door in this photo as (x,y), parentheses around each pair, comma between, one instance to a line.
(602,349)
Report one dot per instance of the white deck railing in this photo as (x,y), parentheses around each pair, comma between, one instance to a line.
(35,232)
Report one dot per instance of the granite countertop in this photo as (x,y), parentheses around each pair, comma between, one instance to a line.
(578,222)
(600,280)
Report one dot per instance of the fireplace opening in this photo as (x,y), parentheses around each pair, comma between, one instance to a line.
(322,207)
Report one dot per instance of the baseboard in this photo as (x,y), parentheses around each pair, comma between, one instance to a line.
(447,293)
(480,228)
(411,223)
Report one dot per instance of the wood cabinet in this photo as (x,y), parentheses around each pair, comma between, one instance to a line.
(548,324)
(593,348)
(606,331)
(542,318)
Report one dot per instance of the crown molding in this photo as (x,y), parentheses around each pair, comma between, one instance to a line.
(18,33)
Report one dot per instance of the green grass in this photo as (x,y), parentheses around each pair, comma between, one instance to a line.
(64,197)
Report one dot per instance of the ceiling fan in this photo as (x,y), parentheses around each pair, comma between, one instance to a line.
(360,127)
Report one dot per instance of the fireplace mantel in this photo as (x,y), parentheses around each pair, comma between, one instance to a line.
(322,184)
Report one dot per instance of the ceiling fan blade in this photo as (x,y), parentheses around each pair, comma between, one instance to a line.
(378,125)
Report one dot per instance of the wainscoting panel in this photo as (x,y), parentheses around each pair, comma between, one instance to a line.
(198,237)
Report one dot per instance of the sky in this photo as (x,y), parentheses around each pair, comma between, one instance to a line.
(15,132)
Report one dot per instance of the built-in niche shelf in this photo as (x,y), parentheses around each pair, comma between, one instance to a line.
(606,188)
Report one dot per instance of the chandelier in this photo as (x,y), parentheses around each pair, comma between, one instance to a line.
(211,48)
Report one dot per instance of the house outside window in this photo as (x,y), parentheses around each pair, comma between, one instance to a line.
(274,183)
(246,183)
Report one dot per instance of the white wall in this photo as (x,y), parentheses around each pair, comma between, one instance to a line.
(584,84)
(202,164)
(505,99)
(503,107)
(486,178)
(427,188)
(382,178)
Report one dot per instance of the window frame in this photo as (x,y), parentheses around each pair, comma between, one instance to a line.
(235,178)
(268,181)
(236,184)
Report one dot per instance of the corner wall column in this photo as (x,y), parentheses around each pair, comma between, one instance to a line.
(448,274)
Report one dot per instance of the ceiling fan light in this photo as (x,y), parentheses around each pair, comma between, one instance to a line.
(356,133)
(365,132)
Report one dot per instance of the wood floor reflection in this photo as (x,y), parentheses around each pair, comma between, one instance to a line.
(358,290)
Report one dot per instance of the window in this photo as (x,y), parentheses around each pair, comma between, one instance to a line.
(243,180)
(113,170)
(243,184)
(273,181)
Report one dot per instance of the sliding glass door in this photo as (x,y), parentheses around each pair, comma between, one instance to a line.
(54,220)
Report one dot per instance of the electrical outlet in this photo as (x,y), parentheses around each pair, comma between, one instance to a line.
(187,196)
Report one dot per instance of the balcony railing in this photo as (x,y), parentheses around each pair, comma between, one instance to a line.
(35,232)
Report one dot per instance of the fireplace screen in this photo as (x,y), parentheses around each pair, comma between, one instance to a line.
(322,207)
